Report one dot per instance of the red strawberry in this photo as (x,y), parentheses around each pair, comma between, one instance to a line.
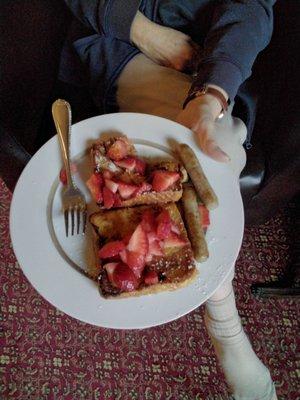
(125,278)
(118,201)
(204,215)
(126,190)
(107,174)
(127,163)
(111,185)
(136,262)
(126,239)
(173,240)
(163,180)
(148,221)
(144,187)
(151,278)
(164,224)
(110,267)
(63,174)
(155,249)
(111,249)
(123,256)
(94,183)
(108,198)
(140,166)
(152,236)
(118,150)
(175,228)
(138,241)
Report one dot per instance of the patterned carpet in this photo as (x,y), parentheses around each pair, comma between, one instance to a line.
(45,354)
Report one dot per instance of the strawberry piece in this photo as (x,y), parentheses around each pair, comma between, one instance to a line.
(164,224)
(124,278)
(118,150)
(107,174)
(148,258)
(63,173)
(138,241)
(163,180)
(118,201)
(204,215)
(173,240)
(152,236)
(148,221)
(108,198)
(127,163)
(126,239)
(140,166)
(111,185)
(126,190)
(110,267)
(136,262)
(95,183)
(111,249)
(123,255)
(151,278)
(144,187)
(155,249)
(175,228)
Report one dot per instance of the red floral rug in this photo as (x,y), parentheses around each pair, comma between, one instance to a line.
(45,354)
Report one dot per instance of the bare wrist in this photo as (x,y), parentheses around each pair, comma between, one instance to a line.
(139,29)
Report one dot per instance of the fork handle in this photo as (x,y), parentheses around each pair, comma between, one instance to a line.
(62,116)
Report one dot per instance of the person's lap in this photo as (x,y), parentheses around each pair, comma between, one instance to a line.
(146,87)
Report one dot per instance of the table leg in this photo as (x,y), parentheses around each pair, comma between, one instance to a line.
(247,377)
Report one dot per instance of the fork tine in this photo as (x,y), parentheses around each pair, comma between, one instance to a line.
(84,219)
(72,220)
(78,219)
(66,214)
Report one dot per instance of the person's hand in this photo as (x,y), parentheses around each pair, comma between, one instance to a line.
(199,115)
(165,46)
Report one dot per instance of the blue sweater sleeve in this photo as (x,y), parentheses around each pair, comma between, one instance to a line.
(108,17)
(240,30)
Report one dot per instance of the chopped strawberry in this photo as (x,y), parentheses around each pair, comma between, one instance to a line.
(175,228)
(148,221)
(124,278)
(63,174)
(151,278)
(136,262)
(118,150)
(173,240)
(107,174)
(127,238)
(127,163)
(111,185)
(118,201)
(140,166)
(138,241)
(126,190)
(152,236)
(144,187)
(163,180)
(123,255)
(110,267)
(108,198)
(94,183)
(204,215)
(148,258)
(164,224)
(155,249)
(111,249)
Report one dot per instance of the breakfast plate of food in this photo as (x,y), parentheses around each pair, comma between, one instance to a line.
(164,224)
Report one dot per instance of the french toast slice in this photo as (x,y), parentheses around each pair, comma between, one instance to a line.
(141,250)
(122,179)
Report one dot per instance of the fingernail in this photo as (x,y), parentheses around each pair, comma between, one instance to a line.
(226,156)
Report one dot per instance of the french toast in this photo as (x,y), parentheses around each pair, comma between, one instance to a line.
(121,179)
(141,250)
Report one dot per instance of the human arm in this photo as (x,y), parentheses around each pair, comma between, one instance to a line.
(239,30)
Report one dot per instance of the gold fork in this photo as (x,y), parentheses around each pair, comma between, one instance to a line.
(72,198)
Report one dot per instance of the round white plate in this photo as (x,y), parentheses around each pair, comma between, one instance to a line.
(47,256)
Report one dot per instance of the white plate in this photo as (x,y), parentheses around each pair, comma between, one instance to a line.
(46,256)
